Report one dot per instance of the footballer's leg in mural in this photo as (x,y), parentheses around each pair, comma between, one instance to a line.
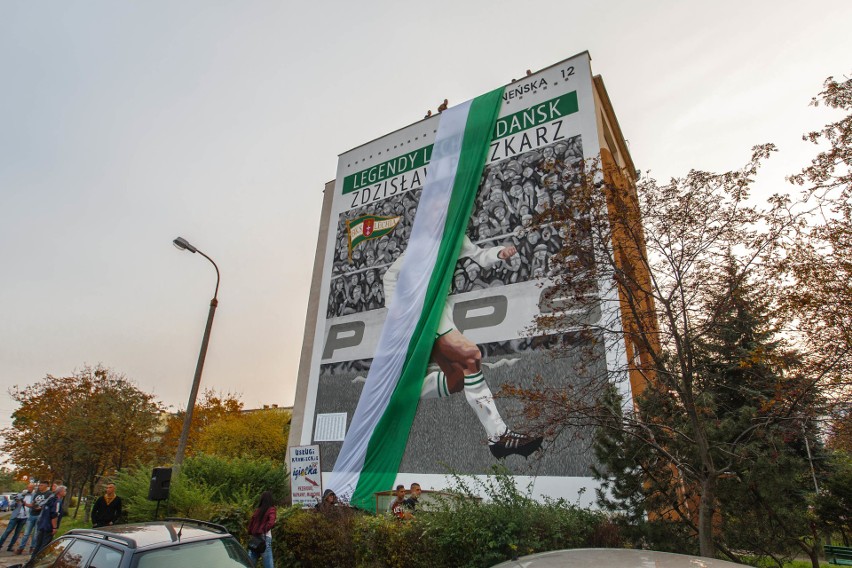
(460,364)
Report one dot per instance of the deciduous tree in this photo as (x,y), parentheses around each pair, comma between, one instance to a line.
(820,262)
(212,407)
(255,434)
(81,427)
(651,279)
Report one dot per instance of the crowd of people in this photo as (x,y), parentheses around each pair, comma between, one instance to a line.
(37,511)
(405,503)
(514,193)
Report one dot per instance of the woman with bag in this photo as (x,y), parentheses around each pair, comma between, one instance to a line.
(260,531)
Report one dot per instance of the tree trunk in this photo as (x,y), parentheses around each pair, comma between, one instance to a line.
(814,557)
(79,500)
(706,512)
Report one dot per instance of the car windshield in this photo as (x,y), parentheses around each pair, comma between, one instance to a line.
(218,553)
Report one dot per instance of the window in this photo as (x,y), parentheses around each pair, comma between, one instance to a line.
(106,557)
(47,556)
(219,553)
(77,554)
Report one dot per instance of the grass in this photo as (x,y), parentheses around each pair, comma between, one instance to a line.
(70,522)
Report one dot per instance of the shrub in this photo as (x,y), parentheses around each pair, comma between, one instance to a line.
(207,488)
(384,540)
(238,480)
(463,531)
(310,539)
(467,532)
(186,499)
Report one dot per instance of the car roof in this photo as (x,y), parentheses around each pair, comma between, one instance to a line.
(614,558)
(155,534)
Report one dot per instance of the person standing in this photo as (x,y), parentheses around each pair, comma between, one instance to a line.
(18,517)
(410,503)
(50,517)
(328,501)
(34,506)
(262,521)
(397,507)
(107,508)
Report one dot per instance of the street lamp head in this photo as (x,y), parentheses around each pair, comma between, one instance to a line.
(183,244)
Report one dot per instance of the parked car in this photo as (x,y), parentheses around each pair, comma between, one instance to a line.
(7,501)
(613,558)
(159,544)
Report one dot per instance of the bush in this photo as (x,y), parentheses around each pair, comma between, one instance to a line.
(238,480)
(384,540)
(467,532)
(207,488)
(310,539)
(463,531)
(186,498)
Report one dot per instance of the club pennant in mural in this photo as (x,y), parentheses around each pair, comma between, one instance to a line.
(369,227)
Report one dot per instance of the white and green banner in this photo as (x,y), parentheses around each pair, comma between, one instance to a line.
(375,442)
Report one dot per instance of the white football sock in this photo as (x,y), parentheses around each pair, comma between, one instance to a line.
(479,398)
(434,386)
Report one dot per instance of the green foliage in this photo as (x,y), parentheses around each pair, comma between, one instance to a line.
(238,480)
(206,488)
(186,498)
(383,540)
(255,434)
(509,523)
(752,408)
(9,482)
(463,531)
(834,501)
(312,539)
(235,519)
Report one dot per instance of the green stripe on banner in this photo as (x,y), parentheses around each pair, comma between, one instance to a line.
(387,444)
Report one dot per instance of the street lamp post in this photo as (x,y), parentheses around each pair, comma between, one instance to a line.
(182,244)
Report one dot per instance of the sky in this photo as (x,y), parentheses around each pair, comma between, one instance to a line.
(126,124)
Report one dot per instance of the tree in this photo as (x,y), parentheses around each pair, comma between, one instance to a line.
(834,502)
(212,407)
(255,434)
(820,262)
(9,482)
(766,490)
(81,427)
(764,486)
(651,278)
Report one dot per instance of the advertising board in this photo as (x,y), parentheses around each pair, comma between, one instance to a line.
(305,480)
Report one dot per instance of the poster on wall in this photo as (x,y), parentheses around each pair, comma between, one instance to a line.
(305,481)
(545,129)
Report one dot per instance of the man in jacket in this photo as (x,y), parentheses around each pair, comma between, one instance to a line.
(34,506)
(49,518)
(107,508)
(18,517)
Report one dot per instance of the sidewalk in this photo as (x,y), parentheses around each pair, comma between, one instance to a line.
(10,558)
